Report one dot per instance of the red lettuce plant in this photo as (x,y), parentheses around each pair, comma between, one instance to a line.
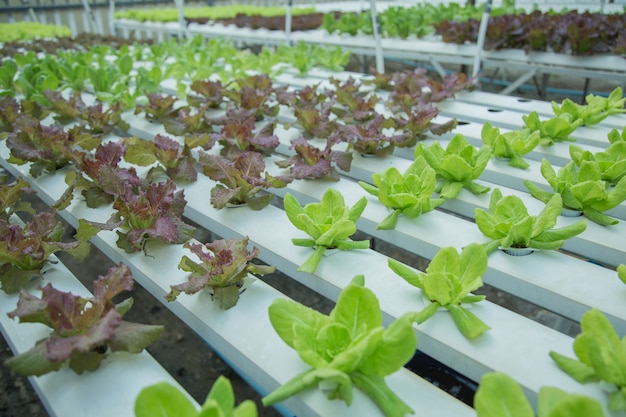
(11,198)
(418,122)
(187,121)
(158,107)
(311,162)
(353,105)
(223,270)
(254,93)
(92,119)
(237,134)
(172,158)
(85,331)
(240,181)
(151,212)
(47,147)
(26,249)
(369,138)
(99,177)
(211,94)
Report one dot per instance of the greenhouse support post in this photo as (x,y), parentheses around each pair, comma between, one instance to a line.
(380,63)
(288,22)
(112,17)
(480,43)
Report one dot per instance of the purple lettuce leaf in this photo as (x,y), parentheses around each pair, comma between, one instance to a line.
(25,250)
(240,180)
(158,108)
(153,211)
(83,329)
(211,94)
(224,264)
(311,162)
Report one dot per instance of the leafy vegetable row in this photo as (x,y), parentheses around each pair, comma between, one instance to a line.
(445,291)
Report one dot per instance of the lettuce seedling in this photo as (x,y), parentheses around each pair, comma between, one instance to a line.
(223,270)
(510,145)
(611,162)
(556,129)
(164,400)
(85,331)
(369,138)
(11,198)
(9,112)
(457,166)
(158,108)
(581,188)
(151,212)
(254,93)
(315,121)
(173,160)
(26,249)
(448,281)
(418,123)
(311,162)
(48,148)
(99,177)
(92,119)
(211,94)
(621,272)
(185,121)
(237,134)
(510,226)
(353,105)
(499,395)
(600,354)
(597,108)
(240,181)
(615,136)
(410,193)
(348,348)
(330,223)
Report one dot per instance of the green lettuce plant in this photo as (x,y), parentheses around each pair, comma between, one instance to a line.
(223,268)
(85,331)
(600,357)
(348,348)
(581,188)
(165,400)
(410,193)
(510,145)
(500,395)
(611,162)
(597,108)
(555,129)
(447,283)
(330,223)
(621,272)
(510,226)
(457,166)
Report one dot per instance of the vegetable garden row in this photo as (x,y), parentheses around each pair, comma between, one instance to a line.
(129,144)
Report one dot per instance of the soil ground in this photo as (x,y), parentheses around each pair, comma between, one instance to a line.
(191,361)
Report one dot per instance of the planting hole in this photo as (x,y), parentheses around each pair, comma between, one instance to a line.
(494,110)
(524,100)
(462,123)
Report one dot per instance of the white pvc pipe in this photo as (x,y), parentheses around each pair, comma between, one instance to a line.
(288,22)
(380,62)
(480,43)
